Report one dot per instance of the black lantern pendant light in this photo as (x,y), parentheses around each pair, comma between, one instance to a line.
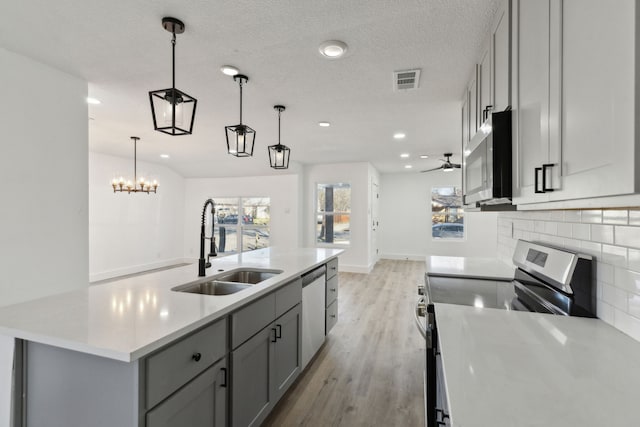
(279,154)
(240,138)
(173,110)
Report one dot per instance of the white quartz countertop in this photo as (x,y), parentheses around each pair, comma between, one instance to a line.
(471,267)
(511,369)
(127,319)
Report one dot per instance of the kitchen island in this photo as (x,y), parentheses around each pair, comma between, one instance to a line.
(135,352)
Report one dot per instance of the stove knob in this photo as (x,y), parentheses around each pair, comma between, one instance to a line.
(420,289)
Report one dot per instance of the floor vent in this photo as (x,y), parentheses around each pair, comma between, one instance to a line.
(406,79)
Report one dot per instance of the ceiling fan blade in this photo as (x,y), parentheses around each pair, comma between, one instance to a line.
(456,165)
(434,169)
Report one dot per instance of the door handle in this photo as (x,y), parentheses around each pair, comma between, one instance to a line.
(535,181)
(224,377)
(546,167)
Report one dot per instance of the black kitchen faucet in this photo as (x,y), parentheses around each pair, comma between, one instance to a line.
(203,263)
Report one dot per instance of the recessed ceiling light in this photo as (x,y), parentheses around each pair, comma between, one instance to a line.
(324,124)
(229,70)
(424,156)
(404,155)
(93,101)
(399,135)
(164,156)
(408,166)
(333,49)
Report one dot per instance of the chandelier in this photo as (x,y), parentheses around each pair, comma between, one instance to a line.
(140,185)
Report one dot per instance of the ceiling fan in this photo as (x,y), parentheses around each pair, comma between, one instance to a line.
(446,165)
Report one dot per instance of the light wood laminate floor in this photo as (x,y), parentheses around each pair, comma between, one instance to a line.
(369,371)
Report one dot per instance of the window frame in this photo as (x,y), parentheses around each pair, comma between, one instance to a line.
(240,227)
(324,214)
(460,211)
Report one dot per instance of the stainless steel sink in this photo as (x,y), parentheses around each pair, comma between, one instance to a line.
(228,283)
(213,287)
(248,275)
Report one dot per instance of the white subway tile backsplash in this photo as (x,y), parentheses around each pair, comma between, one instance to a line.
(614,255)
(627,279)
(605,273)
(634,259)
(581,231)
(564,229)
(616,297)
(634,305)
(605,312)
(627,236)
(593,216)
(611,236)
(551,228)
(634,217)
(628,324)
(618,217)
(572,216)
(602,233)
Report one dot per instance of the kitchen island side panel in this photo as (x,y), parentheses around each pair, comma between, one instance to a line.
(65,388)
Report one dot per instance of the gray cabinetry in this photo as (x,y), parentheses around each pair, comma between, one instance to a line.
(201,403)
(266,364)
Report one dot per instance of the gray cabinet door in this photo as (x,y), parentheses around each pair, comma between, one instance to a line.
(251,364)
(287,350)
(201,403)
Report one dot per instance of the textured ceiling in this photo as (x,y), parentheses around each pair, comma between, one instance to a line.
(120,48)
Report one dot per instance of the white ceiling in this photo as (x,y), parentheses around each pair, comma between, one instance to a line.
(121,49)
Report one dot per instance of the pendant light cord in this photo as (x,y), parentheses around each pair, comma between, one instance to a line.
(279,111)
(240,82)
(135,160)
(173,64)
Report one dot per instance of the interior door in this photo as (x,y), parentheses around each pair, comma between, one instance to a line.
(375,205)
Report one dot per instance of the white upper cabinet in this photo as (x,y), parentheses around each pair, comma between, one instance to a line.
(598,96)
(485,76)
(574,97)
(501,58)
(531,121)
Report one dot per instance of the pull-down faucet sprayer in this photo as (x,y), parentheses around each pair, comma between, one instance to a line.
(203,263)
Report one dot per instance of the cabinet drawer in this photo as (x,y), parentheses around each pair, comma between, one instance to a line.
(175,365)
(331,317)
(332,290)
(247,321)
(332,268)
(288,296)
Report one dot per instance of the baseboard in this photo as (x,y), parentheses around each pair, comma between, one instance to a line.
(404,257)
(105,275)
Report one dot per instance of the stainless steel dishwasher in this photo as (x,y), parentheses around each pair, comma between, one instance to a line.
(313,312)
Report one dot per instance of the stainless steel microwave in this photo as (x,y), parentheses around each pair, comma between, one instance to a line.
(487,163)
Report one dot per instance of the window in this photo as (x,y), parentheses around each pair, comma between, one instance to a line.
(333,213)
(447,215)
(247,217)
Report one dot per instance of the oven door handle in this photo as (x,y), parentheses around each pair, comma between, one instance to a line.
(421,311)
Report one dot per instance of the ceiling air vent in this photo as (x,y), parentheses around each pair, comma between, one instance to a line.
(405,80)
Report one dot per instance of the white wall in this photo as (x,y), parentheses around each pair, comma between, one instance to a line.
(282,189)
(43,168)
(133,232)
(356,255)
(405,220)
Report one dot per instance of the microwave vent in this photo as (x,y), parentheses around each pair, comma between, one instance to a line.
(406,80)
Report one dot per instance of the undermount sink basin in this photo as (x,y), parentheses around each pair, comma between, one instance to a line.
(228,283)
(213,287)
(248,275)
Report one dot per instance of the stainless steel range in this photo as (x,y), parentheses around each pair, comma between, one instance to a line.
(547,280)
